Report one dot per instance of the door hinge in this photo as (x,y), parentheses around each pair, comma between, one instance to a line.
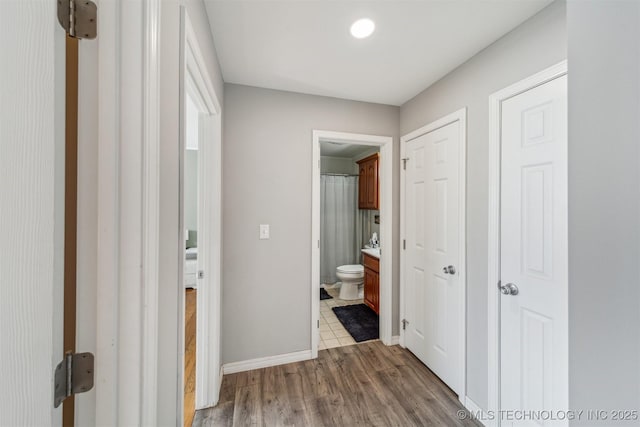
(405,322)
(200,274)
(404,163)
(318,323)
(404,244)
(78,18)
(72,376)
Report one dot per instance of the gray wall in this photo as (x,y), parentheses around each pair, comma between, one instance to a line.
(171,249)
(369,226)
(533,46)
(191,193)
(266,283)
(604,212)
(337,165)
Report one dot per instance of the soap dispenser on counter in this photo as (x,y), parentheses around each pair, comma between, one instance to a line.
(374,240)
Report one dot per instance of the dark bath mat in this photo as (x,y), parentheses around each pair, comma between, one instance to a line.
(359,320)
(324,294)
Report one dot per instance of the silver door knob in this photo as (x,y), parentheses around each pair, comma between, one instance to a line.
(509,289)
(450,269)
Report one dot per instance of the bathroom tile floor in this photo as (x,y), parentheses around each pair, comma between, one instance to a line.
(332,333)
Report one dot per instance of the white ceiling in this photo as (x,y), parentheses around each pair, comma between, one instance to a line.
(305,45)
(343,150)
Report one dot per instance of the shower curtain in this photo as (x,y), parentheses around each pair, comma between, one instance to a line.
(340,225)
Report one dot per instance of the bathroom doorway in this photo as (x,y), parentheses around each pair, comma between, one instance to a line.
(191,203)
(199,233)
(351,221)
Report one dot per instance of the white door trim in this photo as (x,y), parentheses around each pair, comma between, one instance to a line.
(386,228)
(493,252)
(128,213)
(195,80)
(151,210)
(461,116)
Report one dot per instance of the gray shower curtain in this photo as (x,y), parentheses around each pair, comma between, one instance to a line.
(340,225)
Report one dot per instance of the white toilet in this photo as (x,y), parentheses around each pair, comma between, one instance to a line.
(351,277)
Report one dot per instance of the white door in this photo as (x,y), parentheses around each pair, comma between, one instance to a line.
(31,210)
(534,338)
(432,215)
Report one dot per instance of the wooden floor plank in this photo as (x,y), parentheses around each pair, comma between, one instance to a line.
(221,417)
(190,356)
(368,384)
(248,406)
(247,378)
(331,411)
(299,384)
(275,402)
(228,388)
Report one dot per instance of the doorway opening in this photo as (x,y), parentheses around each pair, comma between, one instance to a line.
(349,244)
(192,224)
(352,239)
(200,231)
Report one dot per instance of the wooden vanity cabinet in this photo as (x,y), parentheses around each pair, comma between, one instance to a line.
(369,185)
(371,282)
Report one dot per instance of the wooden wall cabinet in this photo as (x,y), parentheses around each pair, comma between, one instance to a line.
(368,184)
(371,282)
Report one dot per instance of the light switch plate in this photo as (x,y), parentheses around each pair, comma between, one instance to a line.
(264,231)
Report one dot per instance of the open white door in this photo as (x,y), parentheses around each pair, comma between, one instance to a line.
(31,210)
(533,252)
(434,252)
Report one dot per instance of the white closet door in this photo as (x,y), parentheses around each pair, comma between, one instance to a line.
(433,230)
(534,256)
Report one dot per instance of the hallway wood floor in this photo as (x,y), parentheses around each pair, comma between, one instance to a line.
(190,356)
(367,384)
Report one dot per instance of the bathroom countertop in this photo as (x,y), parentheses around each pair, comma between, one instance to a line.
(374,252)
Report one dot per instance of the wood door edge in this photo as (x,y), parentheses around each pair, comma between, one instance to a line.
(70,211)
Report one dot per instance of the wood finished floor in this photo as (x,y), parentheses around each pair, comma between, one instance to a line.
(190,356)
(366,384)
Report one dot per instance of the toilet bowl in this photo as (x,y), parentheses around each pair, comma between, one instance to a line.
(351,277)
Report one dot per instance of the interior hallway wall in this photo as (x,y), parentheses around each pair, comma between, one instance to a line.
(604,207)
(266,283)
(537,44)
(330,164)
(171,250)
(191,193)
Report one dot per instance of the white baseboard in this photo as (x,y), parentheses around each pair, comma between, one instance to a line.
(395,340)
(477,411)
(265,362)
(220,378)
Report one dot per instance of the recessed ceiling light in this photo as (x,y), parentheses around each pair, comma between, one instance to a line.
(362,28)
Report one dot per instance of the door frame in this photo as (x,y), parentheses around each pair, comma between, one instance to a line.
(461,116)
(128,234)
(195,80)
(127,287)
(493,247)
(386,228)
